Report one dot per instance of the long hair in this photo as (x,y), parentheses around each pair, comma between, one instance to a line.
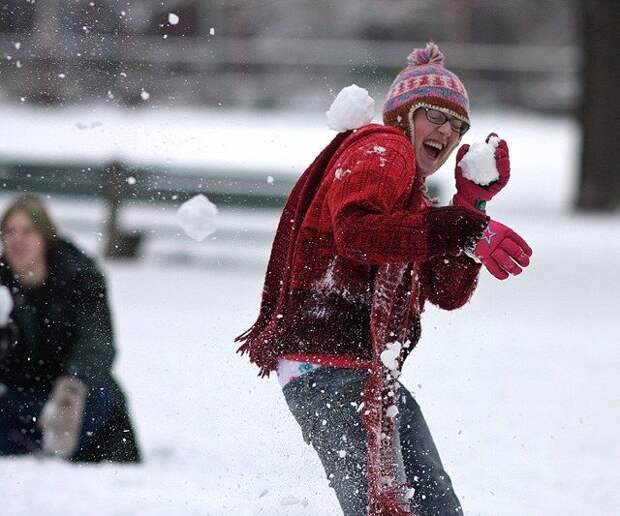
(35,210)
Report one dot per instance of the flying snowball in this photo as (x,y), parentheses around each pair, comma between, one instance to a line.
(352,108)
(197,217)
(478,165)
(173,19)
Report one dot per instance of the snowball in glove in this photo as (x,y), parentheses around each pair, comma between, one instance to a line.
(61,418)
(482,170)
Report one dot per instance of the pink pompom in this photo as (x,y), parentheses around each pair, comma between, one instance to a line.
(429,55)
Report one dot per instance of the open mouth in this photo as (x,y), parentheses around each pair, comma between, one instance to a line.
(433,149)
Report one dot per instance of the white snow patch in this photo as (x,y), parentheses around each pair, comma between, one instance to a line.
(340,173)
(377,149)
(6,305)
(212,31)
(197,217)
(293,500)
(351,109)
(270,180)
(390,354)
(392,411)
(478,165)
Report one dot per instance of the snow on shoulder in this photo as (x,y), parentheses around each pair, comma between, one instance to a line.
(478,164)
(197,217)
(352,108)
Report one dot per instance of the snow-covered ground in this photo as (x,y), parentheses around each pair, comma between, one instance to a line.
(520,388)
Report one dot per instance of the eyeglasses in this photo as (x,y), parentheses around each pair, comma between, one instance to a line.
(439,117)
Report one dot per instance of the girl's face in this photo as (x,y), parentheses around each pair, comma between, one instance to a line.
(24,247)
(433,143)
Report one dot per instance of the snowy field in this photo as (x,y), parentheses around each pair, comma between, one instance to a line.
(520,388)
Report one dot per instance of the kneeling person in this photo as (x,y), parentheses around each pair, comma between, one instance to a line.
(57,393)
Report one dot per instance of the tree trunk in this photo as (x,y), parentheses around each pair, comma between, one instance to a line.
(599,185)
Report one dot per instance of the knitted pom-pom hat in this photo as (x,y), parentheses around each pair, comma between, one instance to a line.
(425,83)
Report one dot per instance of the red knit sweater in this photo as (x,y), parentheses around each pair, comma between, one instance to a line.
(369,209)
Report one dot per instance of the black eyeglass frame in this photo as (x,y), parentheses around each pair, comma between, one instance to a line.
(456,124)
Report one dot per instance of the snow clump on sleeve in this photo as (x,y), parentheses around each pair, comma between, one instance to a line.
(197,217)
(478,164)
(352,108)
(389,356)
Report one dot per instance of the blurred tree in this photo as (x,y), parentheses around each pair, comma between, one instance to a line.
(599,187)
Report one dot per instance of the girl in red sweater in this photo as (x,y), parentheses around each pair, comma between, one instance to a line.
(358,251)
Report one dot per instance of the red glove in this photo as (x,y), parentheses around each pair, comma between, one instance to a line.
(473,196)
(502,251)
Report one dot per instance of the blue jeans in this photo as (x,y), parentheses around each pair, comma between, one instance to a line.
(324,403)
(20,411)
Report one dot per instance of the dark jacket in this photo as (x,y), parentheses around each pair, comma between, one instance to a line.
(64,328)
(60,328)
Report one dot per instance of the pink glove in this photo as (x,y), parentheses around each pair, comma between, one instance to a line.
(473,196)
(501,251)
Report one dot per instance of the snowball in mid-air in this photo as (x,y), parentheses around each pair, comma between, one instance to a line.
(197,217)
(173,19)
(145,95)
(478,164)
(6,305)
(352,108)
